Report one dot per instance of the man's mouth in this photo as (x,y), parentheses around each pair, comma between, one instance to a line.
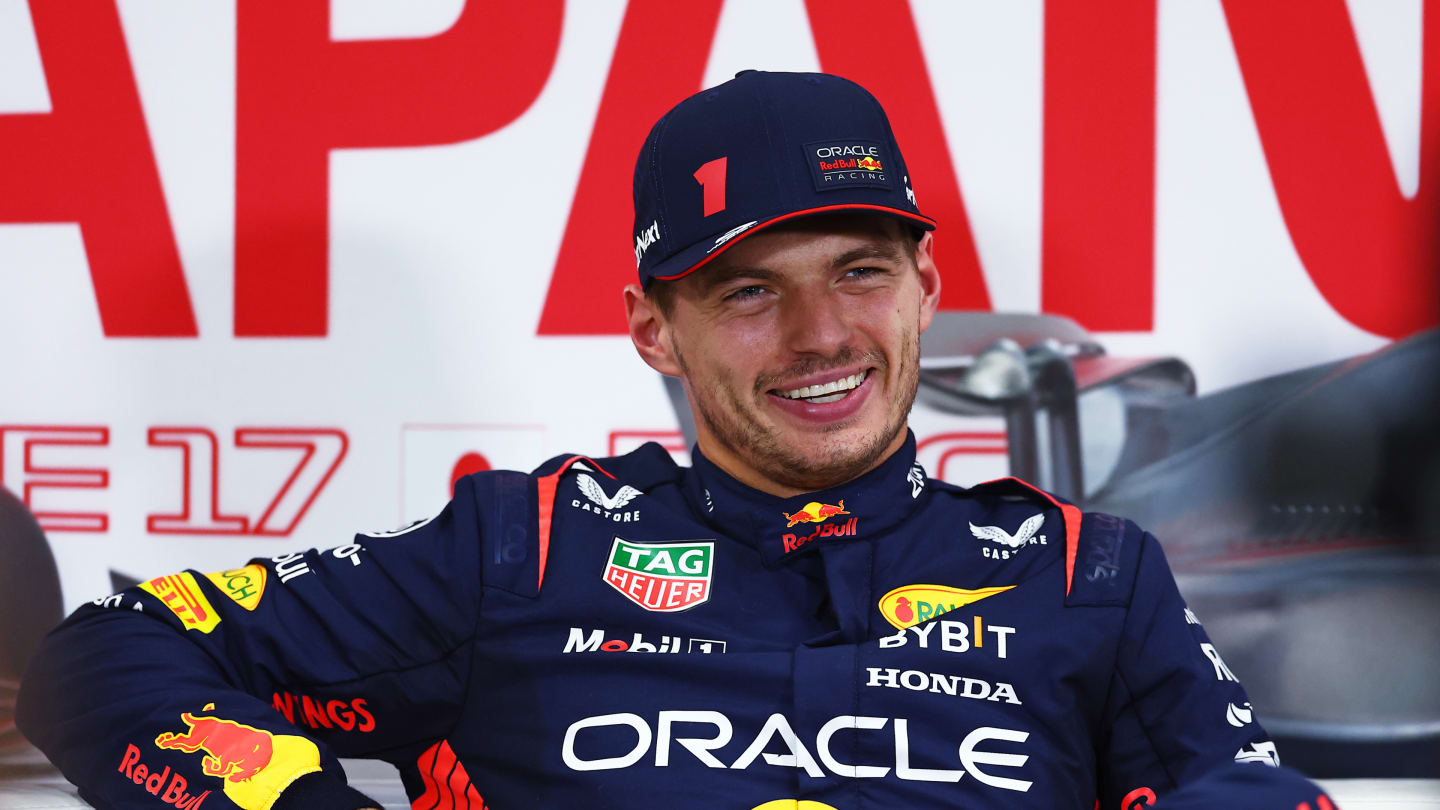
(821,393)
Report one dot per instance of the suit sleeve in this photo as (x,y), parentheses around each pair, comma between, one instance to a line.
(224,689)
(1175,711)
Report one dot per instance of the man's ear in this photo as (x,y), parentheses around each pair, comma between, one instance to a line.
(650,332)
(929,279)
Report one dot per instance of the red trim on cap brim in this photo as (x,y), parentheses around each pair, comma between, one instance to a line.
(924,220)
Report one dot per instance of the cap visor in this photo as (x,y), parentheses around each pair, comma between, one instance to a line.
(699,254)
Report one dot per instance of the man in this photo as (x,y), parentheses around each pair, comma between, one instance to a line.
(803,619)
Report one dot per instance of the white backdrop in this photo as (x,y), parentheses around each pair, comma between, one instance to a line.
(441,257)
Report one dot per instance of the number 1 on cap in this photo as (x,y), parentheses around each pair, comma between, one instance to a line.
(711,178)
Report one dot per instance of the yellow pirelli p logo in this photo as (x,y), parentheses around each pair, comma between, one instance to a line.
(181,593)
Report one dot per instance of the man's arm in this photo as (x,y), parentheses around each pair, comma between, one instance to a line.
(248,683)
(1175,712)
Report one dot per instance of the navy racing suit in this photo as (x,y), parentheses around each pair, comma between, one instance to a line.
(624,632)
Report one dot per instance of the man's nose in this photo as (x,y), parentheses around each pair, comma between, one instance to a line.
(816,323)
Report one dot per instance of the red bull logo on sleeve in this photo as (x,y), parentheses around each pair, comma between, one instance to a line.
(255,765)
(175,787)
(869,164)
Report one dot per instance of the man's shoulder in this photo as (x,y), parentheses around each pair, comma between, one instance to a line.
(648,464)
(516,510)
(1101,553)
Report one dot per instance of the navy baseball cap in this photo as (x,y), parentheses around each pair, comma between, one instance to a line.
(761,149)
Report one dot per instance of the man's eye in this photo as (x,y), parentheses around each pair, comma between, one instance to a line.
(745,293)
(866,272)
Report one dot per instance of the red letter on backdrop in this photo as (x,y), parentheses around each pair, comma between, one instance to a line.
(891,65)
(1098,235)
(299,95)
(89,161)
(1372,253)
(26,474)
(595,258)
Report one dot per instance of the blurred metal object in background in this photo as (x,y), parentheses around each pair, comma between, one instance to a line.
(1297,511)
(1031,369)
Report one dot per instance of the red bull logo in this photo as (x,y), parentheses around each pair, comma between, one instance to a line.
(846,529)
(233,751)
(814,512)
(152,781)
(254,764)
(869,164)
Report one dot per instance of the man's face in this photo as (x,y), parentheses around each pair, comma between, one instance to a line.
(799,348)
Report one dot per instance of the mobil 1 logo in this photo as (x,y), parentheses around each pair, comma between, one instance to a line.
(661,577)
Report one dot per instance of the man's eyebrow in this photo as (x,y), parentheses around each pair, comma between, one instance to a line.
(716,276)
(873,250)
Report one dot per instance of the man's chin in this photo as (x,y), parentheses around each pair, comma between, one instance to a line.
(815,462)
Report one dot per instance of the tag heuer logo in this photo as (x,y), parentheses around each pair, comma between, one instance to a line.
(661,577)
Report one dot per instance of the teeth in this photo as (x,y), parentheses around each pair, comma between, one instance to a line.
(826,390)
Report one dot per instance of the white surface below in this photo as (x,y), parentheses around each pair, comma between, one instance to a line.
(379,781)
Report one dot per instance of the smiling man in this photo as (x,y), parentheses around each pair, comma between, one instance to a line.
(803,619)
(799,346)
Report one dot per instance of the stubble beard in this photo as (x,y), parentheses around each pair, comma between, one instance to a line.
(730,420)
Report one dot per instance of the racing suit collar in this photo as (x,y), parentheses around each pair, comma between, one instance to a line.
(782,528)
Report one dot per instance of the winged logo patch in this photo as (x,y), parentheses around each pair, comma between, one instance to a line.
(610,507)
(1010,543)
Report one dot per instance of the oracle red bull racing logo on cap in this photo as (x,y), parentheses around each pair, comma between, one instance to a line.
(847,163)
(255,765)
(661,577)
